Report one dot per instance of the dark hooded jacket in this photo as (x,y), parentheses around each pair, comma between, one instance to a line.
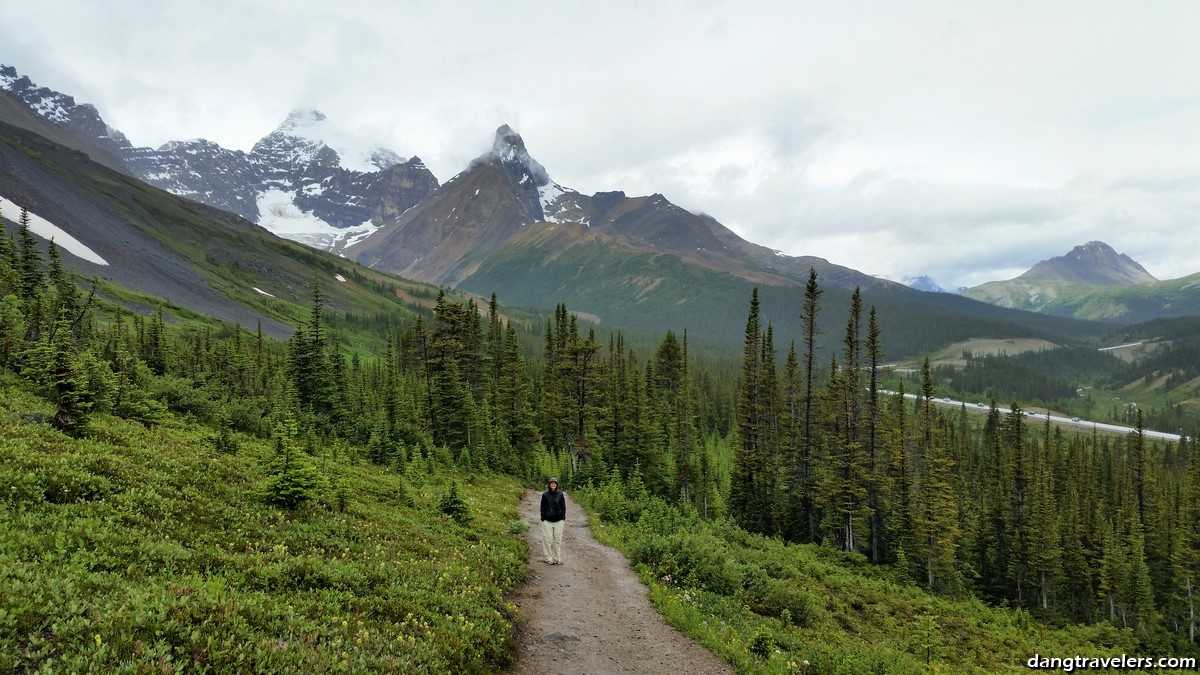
(554,505)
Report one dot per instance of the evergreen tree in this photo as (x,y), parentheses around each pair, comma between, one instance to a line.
(1045,543)
(29,268)
(291,477)
(55,367)
(936,527)
(846,485)
(453,505)
(1018,524)
(748,480)
(804,469)
(12,330)
(875,467)
(9,264)
(67,300)
(683,431)
(1187,554)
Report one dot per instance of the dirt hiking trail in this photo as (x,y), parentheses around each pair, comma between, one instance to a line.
(591,614)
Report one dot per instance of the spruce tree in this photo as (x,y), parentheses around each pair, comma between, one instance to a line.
(54,366)
(9,264)
(29,260)
(804,469)
(875,466)
(1187,555)
(747,487)
(291,477)
(67,300)
(1045,543)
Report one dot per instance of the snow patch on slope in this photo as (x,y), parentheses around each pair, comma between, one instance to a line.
(279,214)
(47,230)
(549,194)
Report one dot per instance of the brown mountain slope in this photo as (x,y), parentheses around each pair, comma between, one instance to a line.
(505,199)
(439,239)
(1092,263)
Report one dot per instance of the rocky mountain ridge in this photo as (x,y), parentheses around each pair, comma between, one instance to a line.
(1092,281)
(504,224)
(306,180)
(1092,263)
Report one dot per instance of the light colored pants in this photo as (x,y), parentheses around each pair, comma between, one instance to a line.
(552,540)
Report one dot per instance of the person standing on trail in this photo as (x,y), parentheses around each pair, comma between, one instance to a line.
(554,515)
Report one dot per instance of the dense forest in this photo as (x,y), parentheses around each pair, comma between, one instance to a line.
(1069,527)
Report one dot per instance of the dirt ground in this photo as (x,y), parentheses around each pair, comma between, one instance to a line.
(591,614)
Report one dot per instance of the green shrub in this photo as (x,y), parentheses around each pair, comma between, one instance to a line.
(755,584)
(652,550)
(453,505)
(18,486)
(183,396)
(787,599)
(701,563)
(291,478)
(247,416)
(762,644)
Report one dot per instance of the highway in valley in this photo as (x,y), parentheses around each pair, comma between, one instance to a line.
(1082,424)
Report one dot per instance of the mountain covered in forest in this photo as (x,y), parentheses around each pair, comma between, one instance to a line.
(1094,282)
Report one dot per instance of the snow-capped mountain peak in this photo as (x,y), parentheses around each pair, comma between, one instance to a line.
(922,283)
(301,137)
(509,148)
(8,75)
(81,119)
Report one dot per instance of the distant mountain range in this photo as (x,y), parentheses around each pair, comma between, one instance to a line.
(503,225)
(1094,282)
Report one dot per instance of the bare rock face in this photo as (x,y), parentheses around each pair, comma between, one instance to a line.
(202,171)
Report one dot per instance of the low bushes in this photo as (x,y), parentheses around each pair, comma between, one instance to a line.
(771,607)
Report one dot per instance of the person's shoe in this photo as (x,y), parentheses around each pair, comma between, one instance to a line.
(557,562)
(549,562)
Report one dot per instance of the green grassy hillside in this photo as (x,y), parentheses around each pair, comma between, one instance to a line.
(1125,304)
(145,549)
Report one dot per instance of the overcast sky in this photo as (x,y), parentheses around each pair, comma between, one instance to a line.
(963,140)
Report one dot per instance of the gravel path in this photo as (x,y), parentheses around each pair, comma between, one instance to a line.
(591,614)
